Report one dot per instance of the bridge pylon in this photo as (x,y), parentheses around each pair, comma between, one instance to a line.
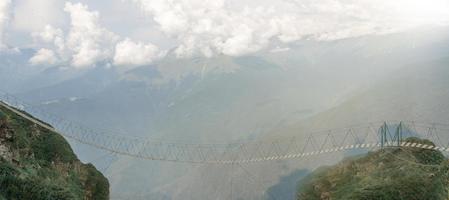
(388,140)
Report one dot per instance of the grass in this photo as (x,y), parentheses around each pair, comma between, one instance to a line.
(388,174)
(43,165)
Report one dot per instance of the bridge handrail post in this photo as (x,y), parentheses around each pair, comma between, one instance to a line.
(383,135)
(399,134)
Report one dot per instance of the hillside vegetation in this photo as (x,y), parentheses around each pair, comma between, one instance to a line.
(388,174)
(38,164)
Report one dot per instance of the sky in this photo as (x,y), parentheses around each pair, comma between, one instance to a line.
(127,33)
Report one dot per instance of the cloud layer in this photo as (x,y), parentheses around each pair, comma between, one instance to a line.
(236,28)
(4,19)
(41,13)
(206,27)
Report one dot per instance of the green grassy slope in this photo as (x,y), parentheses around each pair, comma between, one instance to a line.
(388,174)
(36,163)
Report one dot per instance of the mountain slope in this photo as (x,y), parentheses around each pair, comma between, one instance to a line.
(36,163)
(392,174)
(416,92)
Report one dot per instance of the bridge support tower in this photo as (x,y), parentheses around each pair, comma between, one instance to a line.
(388,140)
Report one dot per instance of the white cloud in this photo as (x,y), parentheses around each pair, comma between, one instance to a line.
(87,40)
(237,27)
(32,15)
(44,56)
(87,43)
(279,49)
(4,19)
(51,35)
(209,28)
(130,53)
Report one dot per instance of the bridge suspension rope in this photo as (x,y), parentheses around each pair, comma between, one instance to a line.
(354,138)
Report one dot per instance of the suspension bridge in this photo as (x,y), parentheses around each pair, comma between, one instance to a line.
(368,136)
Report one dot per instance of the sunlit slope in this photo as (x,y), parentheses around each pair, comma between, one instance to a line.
(417,92)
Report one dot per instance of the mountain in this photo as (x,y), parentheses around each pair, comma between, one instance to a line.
(393,174)
(226,99)
(36,163)
(216,107)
